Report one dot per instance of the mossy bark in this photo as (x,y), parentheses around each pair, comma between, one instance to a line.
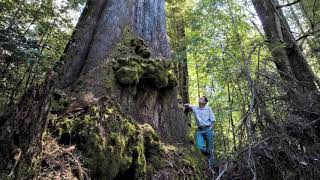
(141,76)
(115,146)
(116,76)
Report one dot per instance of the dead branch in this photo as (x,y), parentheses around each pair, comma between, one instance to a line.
(223,171)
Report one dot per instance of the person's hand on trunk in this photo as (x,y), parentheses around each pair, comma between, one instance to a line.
(186,105)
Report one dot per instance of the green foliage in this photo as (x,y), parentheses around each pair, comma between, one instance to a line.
(220,38)
(32,39)
(226,51)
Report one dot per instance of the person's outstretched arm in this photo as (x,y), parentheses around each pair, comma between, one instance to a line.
(193,107)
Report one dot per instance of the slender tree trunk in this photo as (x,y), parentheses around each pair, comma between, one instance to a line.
(198,81)
(299,81)
(299,25)
(231,119)
(182,65)
(311,42)
(290,61)
(309,20)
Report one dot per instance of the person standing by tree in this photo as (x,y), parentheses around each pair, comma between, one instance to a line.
(204,134)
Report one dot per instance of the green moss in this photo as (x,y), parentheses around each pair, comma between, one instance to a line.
(172,79)
(112,144)
(141,48)
(116,146)
(132,70)
(151,141)
(132,64)
(128,75)
(108,77)
(59,102)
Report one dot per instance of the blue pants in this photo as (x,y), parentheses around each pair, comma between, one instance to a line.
(204,142)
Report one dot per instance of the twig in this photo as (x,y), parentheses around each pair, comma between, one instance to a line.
(17,158)
(224,170)
(79,165)
(308,34)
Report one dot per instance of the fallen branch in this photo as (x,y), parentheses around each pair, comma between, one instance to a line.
(17,159)
(82,171)
(223,171)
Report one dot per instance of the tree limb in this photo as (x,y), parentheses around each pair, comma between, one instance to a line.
(308,34)
(286,5)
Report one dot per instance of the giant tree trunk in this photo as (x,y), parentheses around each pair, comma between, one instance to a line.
(100,27)
(116,76)
(90,52)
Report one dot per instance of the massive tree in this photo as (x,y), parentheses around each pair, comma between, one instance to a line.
(101,27)
(115,75)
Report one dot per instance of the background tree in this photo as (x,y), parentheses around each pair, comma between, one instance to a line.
(176,32)
(33,36)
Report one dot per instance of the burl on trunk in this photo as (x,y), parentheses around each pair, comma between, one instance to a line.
(119,48)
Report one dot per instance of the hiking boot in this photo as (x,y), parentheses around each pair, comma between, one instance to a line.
(205,153)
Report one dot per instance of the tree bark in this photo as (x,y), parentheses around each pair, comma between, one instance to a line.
(99,30)
(231,122)
(21,130)
(101,25)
